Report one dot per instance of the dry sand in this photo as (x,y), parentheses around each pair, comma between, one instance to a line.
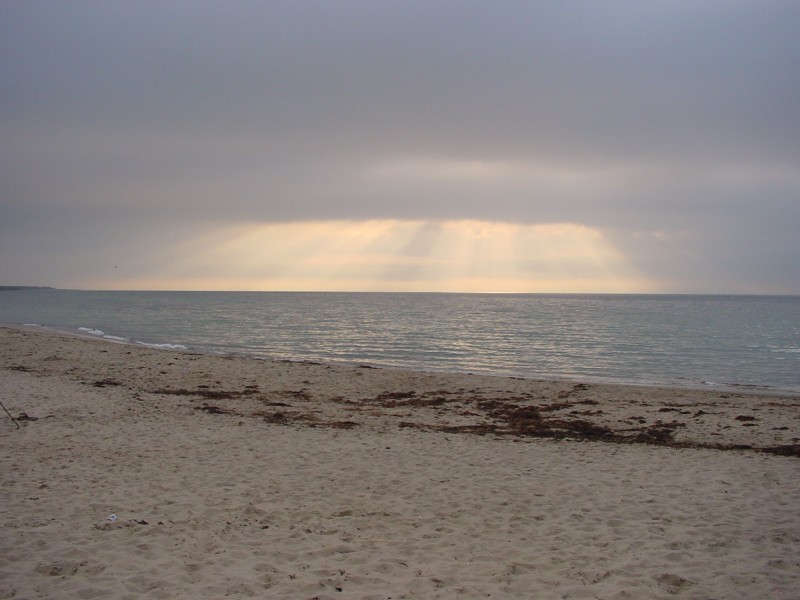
(234,477)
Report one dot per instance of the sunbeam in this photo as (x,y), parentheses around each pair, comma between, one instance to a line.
(398,255)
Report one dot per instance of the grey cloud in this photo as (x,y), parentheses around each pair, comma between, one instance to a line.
(589,80)
(147,113)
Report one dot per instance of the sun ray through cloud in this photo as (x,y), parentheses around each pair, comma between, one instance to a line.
(398,255)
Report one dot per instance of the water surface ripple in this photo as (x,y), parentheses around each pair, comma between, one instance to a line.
(671,340)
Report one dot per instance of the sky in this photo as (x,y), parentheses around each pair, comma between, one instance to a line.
(620,146)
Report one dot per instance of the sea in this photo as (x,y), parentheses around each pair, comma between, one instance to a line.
(697,341)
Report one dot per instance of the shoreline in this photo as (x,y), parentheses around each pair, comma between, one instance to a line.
(242,477)
(86,333)
(495,404)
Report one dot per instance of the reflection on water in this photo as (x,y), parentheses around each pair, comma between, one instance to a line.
(688,340)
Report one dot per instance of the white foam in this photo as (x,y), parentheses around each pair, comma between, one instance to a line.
(116,338)
(91,331)
(164,346)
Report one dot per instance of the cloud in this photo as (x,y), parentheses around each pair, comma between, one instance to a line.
(457,256)
(631,119)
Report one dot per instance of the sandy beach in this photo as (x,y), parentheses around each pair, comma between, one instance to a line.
(140,473)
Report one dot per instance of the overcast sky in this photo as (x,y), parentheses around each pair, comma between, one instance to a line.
(619,146)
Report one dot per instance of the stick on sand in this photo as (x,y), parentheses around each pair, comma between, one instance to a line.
(9,415)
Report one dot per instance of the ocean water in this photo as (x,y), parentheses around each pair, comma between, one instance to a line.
(692,341)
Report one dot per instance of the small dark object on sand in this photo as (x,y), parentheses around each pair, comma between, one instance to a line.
(9,415)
